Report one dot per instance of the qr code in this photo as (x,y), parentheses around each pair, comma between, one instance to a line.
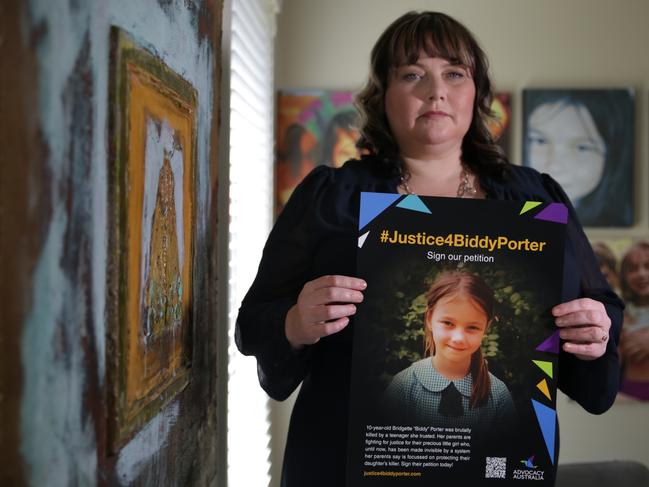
(496,468)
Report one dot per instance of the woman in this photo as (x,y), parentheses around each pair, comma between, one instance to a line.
(424,112)
(452,385)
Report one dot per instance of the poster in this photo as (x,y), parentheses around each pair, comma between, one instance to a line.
(454,368)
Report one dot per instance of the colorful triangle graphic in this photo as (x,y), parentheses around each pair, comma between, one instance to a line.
(543,387)
(554,212)
(413,202)
(547,419)
(373,204)
(529,205)
(362,238)
(551,344)
(545,367)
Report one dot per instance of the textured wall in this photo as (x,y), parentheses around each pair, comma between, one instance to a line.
(55,399)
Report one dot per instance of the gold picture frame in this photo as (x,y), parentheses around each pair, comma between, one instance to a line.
(151,236)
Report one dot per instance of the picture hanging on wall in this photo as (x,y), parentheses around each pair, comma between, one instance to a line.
(151,218)
(500,125)
(314,127)
(584,138)
(625,264)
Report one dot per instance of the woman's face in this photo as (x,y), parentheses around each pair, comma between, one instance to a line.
(564,142)
(457,324)
(429,105)
(637,272)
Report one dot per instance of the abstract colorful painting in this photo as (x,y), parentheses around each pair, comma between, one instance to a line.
(500,125)
(314,127)
(152,188)
(625,264)
(584,138)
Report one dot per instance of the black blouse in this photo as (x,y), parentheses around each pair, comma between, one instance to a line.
(316,235)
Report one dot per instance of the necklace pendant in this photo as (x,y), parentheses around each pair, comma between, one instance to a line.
(404,184)
(464,190)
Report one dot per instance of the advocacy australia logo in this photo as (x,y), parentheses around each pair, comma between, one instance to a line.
(530,472)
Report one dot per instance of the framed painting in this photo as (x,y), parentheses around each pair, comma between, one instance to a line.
(584,138)
(625,265)
(314,127)
(500,124)
(151,230)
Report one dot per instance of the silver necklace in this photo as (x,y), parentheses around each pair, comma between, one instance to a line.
(464,190)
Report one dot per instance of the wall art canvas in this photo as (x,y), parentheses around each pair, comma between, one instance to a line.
(152,191)
(584,138)
(500,125)
(314,127)
(625,264)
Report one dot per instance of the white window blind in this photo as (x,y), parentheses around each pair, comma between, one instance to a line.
(250,215)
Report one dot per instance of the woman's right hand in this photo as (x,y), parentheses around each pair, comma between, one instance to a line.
(323,308)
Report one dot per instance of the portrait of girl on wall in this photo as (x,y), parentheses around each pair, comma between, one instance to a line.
(634,343)
(584,139)
(452,385)
(625,264)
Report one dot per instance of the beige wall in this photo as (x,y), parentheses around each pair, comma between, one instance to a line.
(530,43)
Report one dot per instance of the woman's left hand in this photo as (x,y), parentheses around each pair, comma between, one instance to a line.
(584,327)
